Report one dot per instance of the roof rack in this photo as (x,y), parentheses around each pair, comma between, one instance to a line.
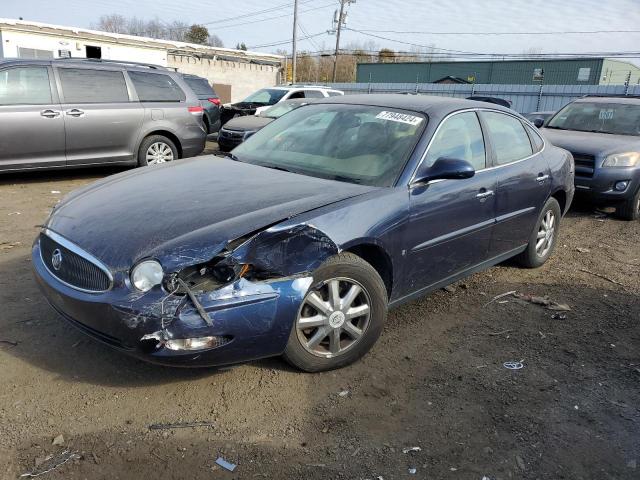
(119,62)
(614,95)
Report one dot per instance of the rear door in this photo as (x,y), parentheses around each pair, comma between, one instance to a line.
(523,176)
(102,119)
(31,124)
(451,221)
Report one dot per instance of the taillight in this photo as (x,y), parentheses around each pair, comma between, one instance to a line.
(215,101)
(197,109)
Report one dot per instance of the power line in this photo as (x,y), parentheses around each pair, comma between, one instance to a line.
(289,40)
(273,18)
(584,32)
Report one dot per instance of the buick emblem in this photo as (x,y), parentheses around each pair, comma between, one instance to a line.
(56,259)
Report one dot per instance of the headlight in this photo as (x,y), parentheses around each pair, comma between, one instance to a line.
(248,134)
(628,159)
(147,275)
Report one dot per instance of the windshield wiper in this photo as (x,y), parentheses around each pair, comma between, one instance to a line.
(341,178)
(233,157)
(275,167)
(556,128)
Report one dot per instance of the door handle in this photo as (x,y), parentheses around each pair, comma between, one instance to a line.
(49,113)
(485,194)
(74,112)
(542,178)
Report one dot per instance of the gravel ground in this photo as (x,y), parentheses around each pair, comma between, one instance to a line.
(435,380)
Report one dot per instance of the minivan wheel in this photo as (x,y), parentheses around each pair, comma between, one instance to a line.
(341,316)
(156,149)
(544,237)
(630,210)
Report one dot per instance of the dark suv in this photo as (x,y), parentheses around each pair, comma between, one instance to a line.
(603,134)
(70,113)
(209,101)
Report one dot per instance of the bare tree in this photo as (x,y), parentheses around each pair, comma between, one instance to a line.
(114,23)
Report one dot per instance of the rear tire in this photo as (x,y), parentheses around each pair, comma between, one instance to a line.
(630,210)
(351,310)
(156,149)
(544,237)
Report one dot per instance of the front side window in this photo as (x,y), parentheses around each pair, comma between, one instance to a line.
(508,137)
(459,137)
(313,94)
(599,117)
(266,96)
(156,87)
(351,143)
(80,85)
(25,86)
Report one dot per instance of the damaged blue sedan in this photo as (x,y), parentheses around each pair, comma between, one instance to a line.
(299,241)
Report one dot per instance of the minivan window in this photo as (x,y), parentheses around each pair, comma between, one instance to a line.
(84,85)
(200,86)
(25,86)
(508,137)
(313,94)
(156,87)
(459,137)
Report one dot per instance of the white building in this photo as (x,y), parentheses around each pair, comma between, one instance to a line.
(235,73)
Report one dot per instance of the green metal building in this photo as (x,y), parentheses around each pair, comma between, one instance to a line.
(574,71)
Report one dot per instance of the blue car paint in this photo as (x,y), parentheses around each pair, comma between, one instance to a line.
(186,213)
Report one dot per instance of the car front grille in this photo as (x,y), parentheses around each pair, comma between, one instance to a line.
(585,164)
(72,266)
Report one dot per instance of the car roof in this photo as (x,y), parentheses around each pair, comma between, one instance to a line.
(86,62)
(429,104)
(630,100)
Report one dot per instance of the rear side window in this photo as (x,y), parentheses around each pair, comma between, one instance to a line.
(509,139)
(200,86)
(81,85)
(156,87)
(333,93)
(459,137)
(298,94)
(313,94)
(25,86)
(536,139)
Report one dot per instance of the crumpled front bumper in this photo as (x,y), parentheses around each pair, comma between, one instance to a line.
(256,317)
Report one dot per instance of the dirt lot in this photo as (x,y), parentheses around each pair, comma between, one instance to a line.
(434,380)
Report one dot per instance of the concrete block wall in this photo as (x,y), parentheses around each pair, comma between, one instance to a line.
(244,78)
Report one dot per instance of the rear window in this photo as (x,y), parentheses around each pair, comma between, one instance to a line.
(156,87)
(83,85)
(200,86)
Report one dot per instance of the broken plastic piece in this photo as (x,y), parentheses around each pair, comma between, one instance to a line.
(513,365)
(412,471)
(51,463)
(411,449)
(226,465)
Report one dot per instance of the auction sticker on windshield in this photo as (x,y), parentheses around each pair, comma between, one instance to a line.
(399,117)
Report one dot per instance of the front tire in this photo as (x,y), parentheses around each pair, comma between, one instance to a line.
(156,149)
(544,237)
(630,210)
(341,316)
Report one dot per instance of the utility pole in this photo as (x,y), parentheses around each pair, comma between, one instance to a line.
(295,41)
(341,21)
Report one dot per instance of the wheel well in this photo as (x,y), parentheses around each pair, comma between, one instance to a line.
(170,136)
(561,197)
(378,259)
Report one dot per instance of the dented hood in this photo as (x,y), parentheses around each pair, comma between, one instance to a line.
(186,211)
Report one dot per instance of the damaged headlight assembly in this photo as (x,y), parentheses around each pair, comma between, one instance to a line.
(146,275)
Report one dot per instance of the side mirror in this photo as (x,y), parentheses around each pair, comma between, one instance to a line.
(538,122)
(446,169)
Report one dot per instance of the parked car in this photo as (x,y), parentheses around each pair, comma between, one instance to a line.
(238,129)
(494,100)
(539,118)
(264,98)
(299,242)
(603,134)
(73,113)
(209,101)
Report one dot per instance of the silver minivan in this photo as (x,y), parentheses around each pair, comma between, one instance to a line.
(72,113)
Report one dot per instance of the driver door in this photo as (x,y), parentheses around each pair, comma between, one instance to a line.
(451,221)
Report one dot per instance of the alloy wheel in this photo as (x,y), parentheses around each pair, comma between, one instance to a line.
(159,152)
(546,234)
(333,317)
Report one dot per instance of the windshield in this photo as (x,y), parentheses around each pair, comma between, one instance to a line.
(614,118)
(352,143)
(266,96)
(279,109)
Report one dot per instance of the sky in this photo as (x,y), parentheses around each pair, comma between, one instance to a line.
(445,24)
